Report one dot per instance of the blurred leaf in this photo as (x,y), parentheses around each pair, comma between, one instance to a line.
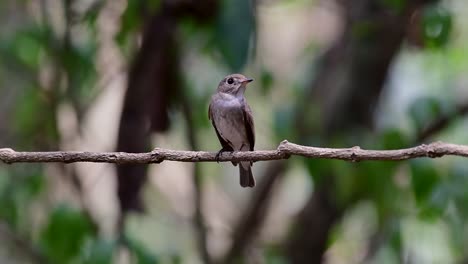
(176,259)
(26,47)
(424,178)
(99,252)
(8,208)
(274,255)
(374,180)
(396,5)
(143,256)
(92,13)
(282,124)
(394,139)
(65,234)
(25,118)
(199,104)
(458,186)
(317,168)
(437,26)
(27,124)
(34,184)
(79,62)
(432,195)
(363,29)
(424,110)
(18,188)
(437,203)
(395,236)
(266,81)
(133,19)
(234,28)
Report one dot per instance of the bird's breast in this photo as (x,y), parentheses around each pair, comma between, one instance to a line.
(229,119)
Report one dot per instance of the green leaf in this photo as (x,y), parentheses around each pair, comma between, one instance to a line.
(79,63)
(458,186)
(424,178)
(396,239)
(432,195)
(143,256)
(28,49)
(234,29)
(65,234)
(363,30)
(33,184)
(396,5)
(317,168)
(27,124)
(424,110)
(437,26)
(92,13)
(374,180)
(18,188)
(437,203)
(394,139)
(283,123)
(133,18)
(273,255)
(266,81)
(99,252)
(9,209)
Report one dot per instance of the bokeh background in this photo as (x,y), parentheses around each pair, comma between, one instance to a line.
(117,75)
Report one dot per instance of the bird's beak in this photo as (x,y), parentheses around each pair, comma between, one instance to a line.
(247,80)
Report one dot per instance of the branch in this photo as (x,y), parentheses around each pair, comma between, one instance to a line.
(442,122)
(284,151)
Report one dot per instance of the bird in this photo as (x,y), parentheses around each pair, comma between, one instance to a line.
(232,120)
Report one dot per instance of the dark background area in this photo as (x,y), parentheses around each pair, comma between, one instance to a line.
(133,75)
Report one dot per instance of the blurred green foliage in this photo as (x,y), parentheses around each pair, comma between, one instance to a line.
(65,233)
(233,33)
(422,188)
(437,26)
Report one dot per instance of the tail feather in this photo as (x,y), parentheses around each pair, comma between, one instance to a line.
(246,177)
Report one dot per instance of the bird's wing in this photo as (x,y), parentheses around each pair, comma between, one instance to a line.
(249,125)
(224,143)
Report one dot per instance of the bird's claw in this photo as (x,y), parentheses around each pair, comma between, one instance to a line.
(219,154)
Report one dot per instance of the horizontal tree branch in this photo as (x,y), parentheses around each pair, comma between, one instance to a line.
(284,151)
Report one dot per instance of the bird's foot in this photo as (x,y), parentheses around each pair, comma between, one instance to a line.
(221,151)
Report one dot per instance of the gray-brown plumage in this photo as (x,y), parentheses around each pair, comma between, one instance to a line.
(233,122)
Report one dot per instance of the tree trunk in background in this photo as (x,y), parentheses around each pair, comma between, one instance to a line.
(152,86)
(150,82)
(349,81)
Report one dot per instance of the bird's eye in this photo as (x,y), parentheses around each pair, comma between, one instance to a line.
(230,81)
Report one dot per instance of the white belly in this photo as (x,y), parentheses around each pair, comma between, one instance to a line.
(229,120)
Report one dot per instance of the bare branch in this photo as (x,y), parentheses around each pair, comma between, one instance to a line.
(442,122)
(284,151)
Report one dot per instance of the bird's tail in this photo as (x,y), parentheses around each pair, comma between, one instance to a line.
(246,177)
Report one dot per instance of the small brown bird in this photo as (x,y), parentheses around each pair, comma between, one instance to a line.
(233,122)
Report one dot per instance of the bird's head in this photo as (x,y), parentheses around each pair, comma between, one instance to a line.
(234,84)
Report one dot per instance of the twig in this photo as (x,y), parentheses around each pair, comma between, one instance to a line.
(284,151)
(441,123)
